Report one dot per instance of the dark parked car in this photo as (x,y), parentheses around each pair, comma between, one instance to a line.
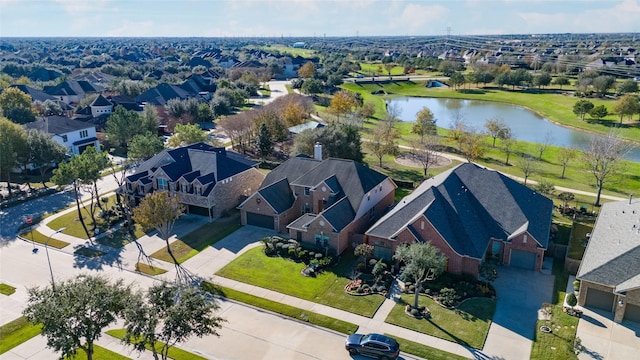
(374,345)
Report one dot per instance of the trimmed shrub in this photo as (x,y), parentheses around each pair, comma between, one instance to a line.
(448,297)
(415,312)
(572,300)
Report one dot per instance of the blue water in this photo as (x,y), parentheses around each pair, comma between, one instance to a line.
(525,124)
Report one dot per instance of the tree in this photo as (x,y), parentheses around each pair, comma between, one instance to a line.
(602,158)
(628,86)
(342,102)
(16,106)
(508,146)
(144,146)
(364,250)
(566,197)
(312,86)
(425,152)
(389,66)
(186,135)
(379,269)
(368,110)
(423,261)
(488,272)
(497,129)
(263,141)
(44,152)
(307,71)
(471,144)
(122,125)
(602,84)
(528,164)
(425,123)
(627,105)
(543,145)
(456,80)
(74,313)
(572,300)
(565,155)
(13,146)
(149,120)
(582,107)
(169,314)
(561,81)
(159,210)
(341,141)
(599,112)
(542,80)
(384,142)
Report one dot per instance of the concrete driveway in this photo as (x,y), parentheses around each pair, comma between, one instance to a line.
(604,339)
(520,295)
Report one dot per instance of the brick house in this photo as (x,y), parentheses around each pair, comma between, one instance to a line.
(609,273)
(207,180)
(471,214)
(322,202)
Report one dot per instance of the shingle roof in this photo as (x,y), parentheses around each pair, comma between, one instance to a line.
(162,93)
(34,93)
(339,214)
(73,87)
(101,101)
(612,256)
(468,205)
(278,195)
(58,125)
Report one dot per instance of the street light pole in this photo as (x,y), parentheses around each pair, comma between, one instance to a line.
(46,249)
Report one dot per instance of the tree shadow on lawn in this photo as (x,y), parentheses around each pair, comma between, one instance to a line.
(89,257)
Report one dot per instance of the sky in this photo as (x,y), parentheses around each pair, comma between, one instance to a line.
(309,18)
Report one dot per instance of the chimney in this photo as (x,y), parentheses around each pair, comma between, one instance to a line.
(317,151)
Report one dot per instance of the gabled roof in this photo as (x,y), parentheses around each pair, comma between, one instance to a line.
(306,126)
(278,195)
(73,87)
(36,95)
(101,101)
(162,93)
(58,125)
(468,205)
(612,256)
(196,162)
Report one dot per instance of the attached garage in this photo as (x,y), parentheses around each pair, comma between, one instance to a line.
(599,299)
(198,210)
(632,312)
(523,259)
(260,220)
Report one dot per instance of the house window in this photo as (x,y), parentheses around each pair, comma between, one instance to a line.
(163,184)
(421,225)
(307,191)
(84,134)
(322,240)
(306,208)
(524,239)
(184,187)
(198,190)
(64,138)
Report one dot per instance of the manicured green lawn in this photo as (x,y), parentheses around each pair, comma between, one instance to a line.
(424,351)
(17,332)
(199,239)
(467,325)
(278,274)
(35,235)
(7,289)
(559,343)
(174,352)
(72,225)
(119,238)
(149,270)
(283,309)
(98,353)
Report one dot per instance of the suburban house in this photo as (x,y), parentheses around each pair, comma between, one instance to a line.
(323,202)
(207,180)
(72,91)
(609,273)
(471,214)
(73,134)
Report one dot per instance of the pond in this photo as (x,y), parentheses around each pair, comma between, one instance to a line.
(525,124)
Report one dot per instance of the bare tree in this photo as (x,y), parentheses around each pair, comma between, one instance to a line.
(471,143)
(542,146)
(508,146)
(565,155)
(528,164)
(603,158)
(425,151)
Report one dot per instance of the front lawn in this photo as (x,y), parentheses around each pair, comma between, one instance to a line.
(36,236)
(559,343)
(16,332)
(281,275)
(467,325)
(174,352)
(72,225)
(201,238)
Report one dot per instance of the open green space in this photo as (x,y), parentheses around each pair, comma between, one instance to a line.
(559,343)
(578,241)
(425,351)
(194,242)
(467,325)
(379,69)
(283,309)
(38,237)
(281,275)
(98,353)
(149,269)
(285,49)
(174,352)
(6,289)
(17,332)
(72,225)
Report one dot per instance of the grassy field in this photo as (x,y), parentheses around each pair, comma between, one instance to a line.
(285,49)
(467,325)
(38,237)
(174,352)
(424,351)
(194,242)
(17,332)
(378,69)
(281,275)
(283,309)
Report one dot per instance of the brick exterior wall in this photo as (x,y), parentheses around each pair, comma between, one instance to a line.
(227,195)
(632,297)
(528,245)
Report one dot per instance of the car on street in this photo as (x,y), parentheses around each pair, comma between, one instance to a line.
(373,345)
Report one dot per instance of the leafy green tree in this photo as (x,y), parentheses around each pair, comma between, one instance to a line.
(561,81)
(339,141)
(16,106)
(599,112)
(628,86)
(364,250)
(186,135)
(122,125)
(602,157)
(471,144)
(456,80)
(312,86)
(379,269)
(497,129)
(169,314)
(603,83)
(150,120)
(423,262)
(263,141)
(74,313)
(13,146)
(44,152)
(542,80)
(566,197)
(384,142)
(627,105)
(582,107)
(425,123)
(488,272)
(144,146)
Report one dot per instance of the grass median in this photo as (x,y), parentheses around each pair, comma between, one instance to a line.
(174,352)
(17,332)
(425,351)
